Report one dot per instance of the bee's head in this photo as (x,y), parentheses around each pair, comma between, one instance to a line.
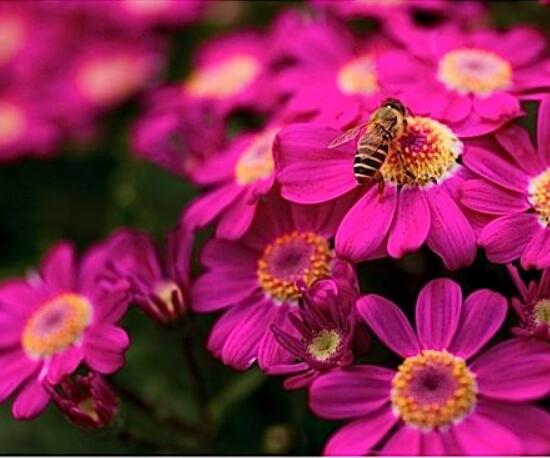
(396,105)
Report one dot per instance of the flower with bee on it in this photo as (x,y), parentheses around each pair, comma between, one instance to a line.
(419,203)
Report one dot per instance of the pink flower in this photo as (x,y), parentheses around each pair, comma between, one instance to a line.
(415,208)
(178,134)
(233,72)
(87,401)
(514,188)
(55,320)
(242,175)
(158,285)
(320,333)
(24,128)
(533,305)
(335,77)
(254,279)
(442,399)
(475,81)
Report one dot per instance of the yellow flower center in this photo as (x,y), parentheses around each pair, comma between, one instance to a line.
(433,389)
(476,71)
(256,162)
(541,312)
(539,196)
(224,79)
(56,325)
(111,79)
(429,152)
(12,37)
(304,256)
(12,123)
(324,345)
(358,76)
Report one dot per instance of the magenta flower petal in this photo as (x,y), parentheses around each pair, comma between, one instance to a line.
(496,169)
(479,434)
(521,45)
(497,106)
(207,208)
(451,235)
(31,401)
(389,323)
(64,364)
(433,445)
(270,352)
(308,171)
(104,348)
(505,238)
(58,267)
(16,368)
(514,370)
(365,226)
(412,223)
(529,423)
(484,197)
(537,251)
(516,140)
(543,130)
(237,218)
(437,313)
(222,328)
(359,437)
(351,392)
(207,296)
(10,329)
(482,315)
(404,442)
(18,298)
(241,346)
(220,255)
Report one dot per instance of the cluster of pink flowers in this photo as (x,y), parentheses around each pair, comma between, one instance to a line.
(63,63)
(292,222)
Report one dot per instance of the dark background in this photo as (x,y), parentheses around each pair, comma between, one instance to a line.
(85,193)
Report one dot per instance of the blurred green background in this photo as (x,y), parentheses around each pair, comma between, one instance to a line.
(85,193)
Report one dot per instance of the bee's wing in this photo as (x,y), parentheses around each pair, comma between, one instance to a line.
(347,136)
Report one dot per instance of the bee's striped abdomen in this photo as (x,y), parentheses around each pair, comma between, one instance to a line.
(369,158)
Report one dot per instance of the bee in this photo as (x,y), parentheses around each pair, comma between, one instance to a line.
(377,137)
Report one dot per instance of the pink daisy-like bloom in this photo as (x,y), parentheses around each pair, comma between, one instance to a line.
(442,399)
(87,401)
(514,188)
(475,81)
(55,320)
(160,287)
(415,208)
(176,138)
(533,305)
(255,279)
(232,71)
(334,77)
(242,176)
(24,129)
(322,331)
(100,77)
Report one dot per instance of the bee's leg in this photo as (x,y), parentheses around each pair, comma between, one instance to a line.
(380,184)
(404,165)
